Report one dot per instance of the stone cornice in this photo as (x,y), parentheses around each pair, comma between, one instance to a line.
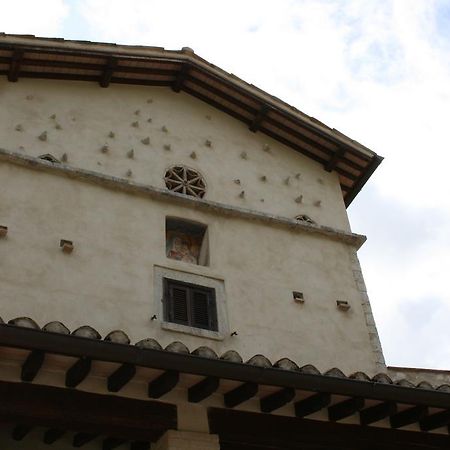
(125,185)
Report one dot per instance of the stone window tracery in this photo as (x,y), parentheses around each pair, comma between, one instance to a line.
(186,181)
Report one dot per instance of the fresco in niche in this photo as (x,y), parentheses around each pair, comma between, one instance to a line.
(183,247)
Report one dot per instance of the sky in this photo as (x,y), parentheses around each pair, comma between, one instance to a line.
(377,70)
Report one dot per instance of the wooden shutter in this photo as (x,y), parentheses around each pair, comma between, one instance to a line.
(203,311)
(178,304)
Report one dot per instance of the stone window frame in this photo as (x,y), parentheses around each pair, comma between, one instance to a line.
(160,273)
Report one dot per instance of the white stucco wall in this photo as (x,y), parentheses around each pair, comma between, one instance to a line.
(85,115)
(107,281)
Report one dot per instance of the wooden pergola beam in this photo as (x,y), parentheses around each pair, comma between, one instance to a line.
(239,395)
(20,431)
(163,384)
(377,412)
(32,365)
(78,372)
(120,377)
(203,389)
(277,400)
(111,443)
(52,435)
(437,420)
(408,416)
(14,67)
(312,404)
(81,439)
(345,409)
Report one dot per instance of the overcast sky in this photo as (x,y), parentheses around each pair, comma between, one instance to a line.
(377,70)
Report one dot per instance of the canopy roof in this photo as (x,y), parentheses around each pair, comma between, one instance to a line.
(33,57)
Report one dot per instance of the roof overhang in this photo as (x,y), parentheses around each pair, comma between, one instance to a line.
(31,57)
(339,396)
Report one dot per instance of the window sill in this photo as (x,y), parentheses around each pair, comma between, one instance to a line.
(216,335)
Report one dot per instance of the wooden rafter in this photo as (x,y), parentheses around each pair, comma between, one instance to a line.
(14,68)
(105,79)
(260,116)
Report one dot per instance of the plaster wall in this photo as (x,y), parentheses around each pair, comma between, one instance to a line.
(108,280)
(78,118)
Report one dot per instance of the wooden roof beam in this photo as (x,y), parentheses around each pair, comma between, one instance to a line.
(181,77)
(140,445)
(14,68)
(163,384)
(260,116)
(203,389)
(20,431)
(81,439)
(32,365)
(312,404)
(78,372)
(111,65)
(52,435)
(377,412)
(408,416)
(239,395)
(277,400)
(437,420)
(332,163)
(345,409)
(111,443)
(120,377)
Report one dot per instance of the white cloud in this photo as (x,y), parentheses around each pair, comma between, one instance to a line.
(41,18)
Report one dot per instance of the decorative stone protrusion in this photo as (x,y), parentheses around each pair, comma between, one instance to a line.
(263,178)
(205,352)
(111,134)
(193,155)
(208,117)
(3,231)
(382,378)
(164,129)
(242,194)
(146,141)
(49,157)
(56,327)
(237,181)
(66,246)
(232,356)
(343,305)
(167,147)
(104,149)
(320,181)
(208,143)
(24,322)
(53,117)
(259,361)
(299,199)
(425,385)
(29,97)
(135,124)
(309,369)
(298,175)
(86,331)
(149,100)
(318,203)
(361,376)
(130,153)
(64,157)
(118,337)
(18,127)
(177,347)
(286,364)
(43,136)
(129,173)
(305,219)
(58,126)
(266,148)
(149,120)
(137,112)
(287,181)
(149,344)
(244,155)
(335,372)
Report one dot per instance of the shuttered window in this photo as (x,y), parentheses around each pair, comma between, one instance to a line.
(189,304)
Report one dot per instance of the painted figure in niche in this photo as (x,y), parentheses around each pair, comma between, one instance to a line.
(183,247)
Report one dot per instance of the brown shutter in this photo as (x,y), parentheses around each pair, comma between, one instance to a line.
(203,309)
(178,309)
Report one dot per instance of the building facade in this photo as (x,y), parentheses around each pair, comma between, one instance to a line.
(202,220)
